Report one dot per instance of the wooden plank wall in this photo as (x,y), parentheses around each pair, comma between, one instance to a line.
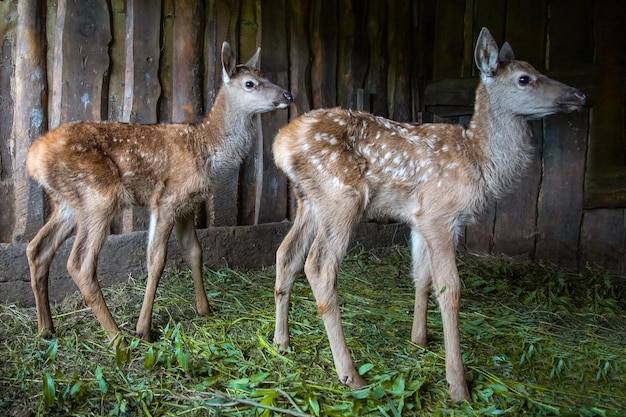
(145,62)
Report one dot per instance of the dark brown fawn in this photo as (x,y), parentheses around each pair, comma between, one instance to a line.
(93,170)
(345,165)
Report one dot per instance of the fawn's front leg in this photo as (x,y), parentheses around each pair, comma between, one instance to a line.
(447,287)
(161,225)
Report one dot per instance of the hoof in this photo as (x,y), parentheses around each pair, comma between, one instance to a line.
(459,394)
(354,382)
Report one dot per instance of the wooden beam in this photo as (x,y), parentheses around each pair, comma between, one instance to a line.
(30,120)
(7,65)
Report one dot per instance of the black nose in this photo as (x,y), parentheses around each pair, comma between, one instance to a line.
(573,96)
(288,96)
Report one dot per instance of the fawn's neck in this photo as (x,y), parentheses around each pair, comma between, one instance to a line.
(226,132)
(502,143)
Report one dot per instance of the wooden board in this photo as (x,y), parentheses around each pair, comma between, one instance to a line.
(607,143)
(298,14)
(251,171)
(146,57)
(400,51)
(222,204)
(571,35)
(7,43)
(273,200)
(117,53)
(346,94)
(602,240)
(449,38)
(187,64)
(324,29)
(30,114)
(86,63)
(561,194)
(376,82)
(526,31)
(144,50)
(516,213)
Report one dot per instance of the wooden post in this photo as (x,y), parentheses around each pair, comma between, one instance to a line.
(324,29)
(400,52)
(142,87)
(273,199)
(30,114)
(7,43)
(561,196)
(251,172)
(222,204)
(299,66)
(187,74)
(377,67)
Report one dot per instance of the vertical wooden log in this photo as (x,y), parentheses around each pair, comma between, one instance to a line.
(449,38)
(142,72)
(7,43)
(607,144)
(187,65)
(222,204)
(561,194)
(457,22)
(298,13)
(30,113)
(324,27)
(400,52)
(423,52)
(122,222)
(56,88)
(571,34)
(376,84)
(86,37)
(117,53)
(299,56)
(352,51)
(146,54)
(516,214)
(526,30)
(251,171)
(515,231)
(275,63)
(166,61)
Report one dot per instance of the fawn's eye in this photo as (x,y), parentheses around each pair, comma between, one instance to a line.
(524,80)
(249,85)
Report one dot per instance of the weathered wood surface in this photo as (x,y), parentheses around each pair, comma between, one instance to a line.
(7,44)
(515,228)
(222,204)
(274,197)
(85,42)
(125,60)
(376,82)
(251,173)
(30,113)
(602,240)
(561,194)
(606,178)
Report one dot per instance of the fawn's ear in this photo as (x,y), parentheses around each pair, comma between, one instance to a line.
(486,53)
(228,62)
(254,61)
(506,53)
